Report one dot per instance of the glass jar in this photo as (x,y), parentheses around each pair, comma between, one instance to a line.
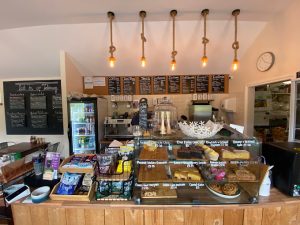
(165,118)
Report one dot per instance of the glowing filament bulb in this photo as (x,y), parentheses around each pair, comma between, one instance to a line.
(111,61)
(143,61)
(235,64)
(173,64)
(204,60)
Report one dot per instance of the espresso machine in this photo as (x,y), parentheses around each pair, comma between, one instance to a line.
(117,128)
(200,111)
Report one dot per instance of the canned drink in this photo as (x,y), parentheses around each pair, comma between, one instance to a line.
(13,157)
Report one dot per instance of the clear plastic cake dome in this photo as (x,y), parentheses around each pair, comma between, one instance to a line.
(165,118)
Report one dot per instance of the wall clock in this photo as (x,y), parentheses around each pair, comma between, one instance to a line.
(265,61)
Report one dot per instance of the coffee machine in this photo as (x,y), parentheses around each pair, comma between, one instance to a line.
(117,128)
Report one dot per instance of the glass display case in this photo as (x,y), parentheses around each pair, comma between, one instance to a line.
(224,169)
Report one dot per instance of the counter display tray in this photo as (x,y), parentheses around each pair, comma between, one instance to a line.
(83,198)
(159,192)
(153,174)
(63,169)
(160,153)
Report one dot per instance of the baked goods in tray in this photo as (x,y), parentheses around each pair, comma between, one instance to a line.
(240,174)
(225,190)
(235,154)
(186,174)
(210,154)
(213,173)
(192,152)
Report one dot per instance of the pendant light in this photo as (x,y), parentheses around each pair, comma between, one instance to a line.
(235,45)
(173,14)
(143,59)
(205,41)
(112,48)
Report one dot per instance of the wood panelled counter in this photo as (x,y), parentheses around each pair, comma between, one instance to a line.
(277,209)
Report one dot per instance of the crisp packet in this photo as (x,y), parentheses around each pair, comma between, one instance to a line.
(68,184)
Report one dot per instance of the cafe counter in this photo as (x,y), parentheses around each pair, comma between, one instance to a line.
(277,209)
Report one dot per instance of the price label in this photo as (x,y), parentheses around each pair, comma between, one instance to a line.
(150,166)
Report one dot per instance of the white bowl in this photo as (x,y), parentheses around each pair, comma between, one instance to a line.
(41,194)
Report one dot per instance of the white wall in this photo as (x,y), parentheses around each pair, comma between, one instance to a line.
(281,36)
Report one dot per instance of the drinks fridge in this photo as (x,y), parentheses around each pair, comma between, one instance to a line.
(86,124)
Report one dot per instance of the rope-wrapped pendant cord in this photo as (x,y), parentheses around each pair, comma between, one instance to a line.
(143,38)
(204,39)
(235,44)
(174,52)
(112,48)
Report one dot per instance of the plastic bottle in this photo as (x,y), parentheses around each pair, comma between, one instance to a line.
(265,187)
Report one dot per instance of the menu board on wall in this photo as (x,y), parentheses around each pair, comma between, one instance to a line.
(202,83)
(188,84)
(173,84)
(114,86)
(33,107)
(145,85)
(159,85)
(218,84)
(129,86)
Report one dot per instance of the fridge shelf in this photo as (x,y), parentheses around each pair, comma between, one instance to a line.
(85,149)
(84,135)
(75,123)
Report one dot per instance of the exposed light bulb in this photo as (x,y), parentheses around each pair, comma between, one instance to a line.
(173,64)
(143,61)
(235,64)
(111,61)
(204,61)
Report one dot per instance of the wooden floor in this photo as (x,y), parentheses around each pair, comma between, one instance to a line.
(274,210)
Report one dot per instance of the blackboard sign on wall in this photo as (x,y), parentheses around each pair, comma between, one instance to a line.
(174,84)
(33,107)
(114,85)
(188,84)
(159,85)
(129,86)
(202,83)
(145,85)
(218,84)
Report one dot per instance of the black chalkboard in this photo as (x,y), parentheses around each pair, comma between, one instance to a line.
(188,84)
(145,85)
(218,84)
(202,82)
(129,85)
(174,84)
(159,85)
(33,107)
(143,112)
(114,85)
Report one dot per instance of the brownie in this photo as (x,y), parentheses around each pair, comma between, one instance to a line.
(184,153)
(196,154)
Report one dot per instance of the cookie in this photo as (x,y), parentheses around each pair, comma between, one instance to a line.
(229,189)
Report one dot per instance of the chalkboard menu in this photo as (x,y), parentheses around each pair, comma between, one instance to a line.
(33,107)
(114,86)
(218,84)
(202,83)
(174,84)
(145,85)
(159,84)
(188,84)
(129,85)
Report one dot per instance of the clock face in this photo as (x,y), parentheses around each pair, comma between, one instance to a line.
(265,61)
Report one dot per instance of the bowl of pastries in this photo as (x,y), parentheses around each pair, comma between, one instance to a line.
(224,190)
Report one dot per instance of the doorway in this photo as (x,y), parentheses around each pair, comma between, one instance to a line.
(271,111)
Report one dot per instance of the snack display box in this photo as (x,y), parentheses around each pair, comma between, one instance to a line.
(78,167)
(177,169)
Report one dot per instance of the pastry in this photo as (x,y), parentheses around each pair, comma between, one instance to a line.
(216,187)
(194,176)
(229,189)
(210,154)
(150,145)
(186,174)
(235,154)
(240,174)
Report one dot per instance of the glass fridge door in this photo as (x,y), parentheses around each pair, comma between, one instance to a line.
(83,127)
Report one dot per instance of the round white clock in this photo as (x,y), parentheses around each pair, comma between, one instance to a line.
(265,61)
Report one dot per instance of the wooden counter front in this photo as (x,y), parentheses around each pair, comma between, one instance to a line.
(278,209)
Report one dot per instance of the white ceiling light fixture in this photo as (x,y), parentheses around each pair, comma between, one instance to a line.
(205,41)
(112,48)
(143,58)
(173,14)
(235,44)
